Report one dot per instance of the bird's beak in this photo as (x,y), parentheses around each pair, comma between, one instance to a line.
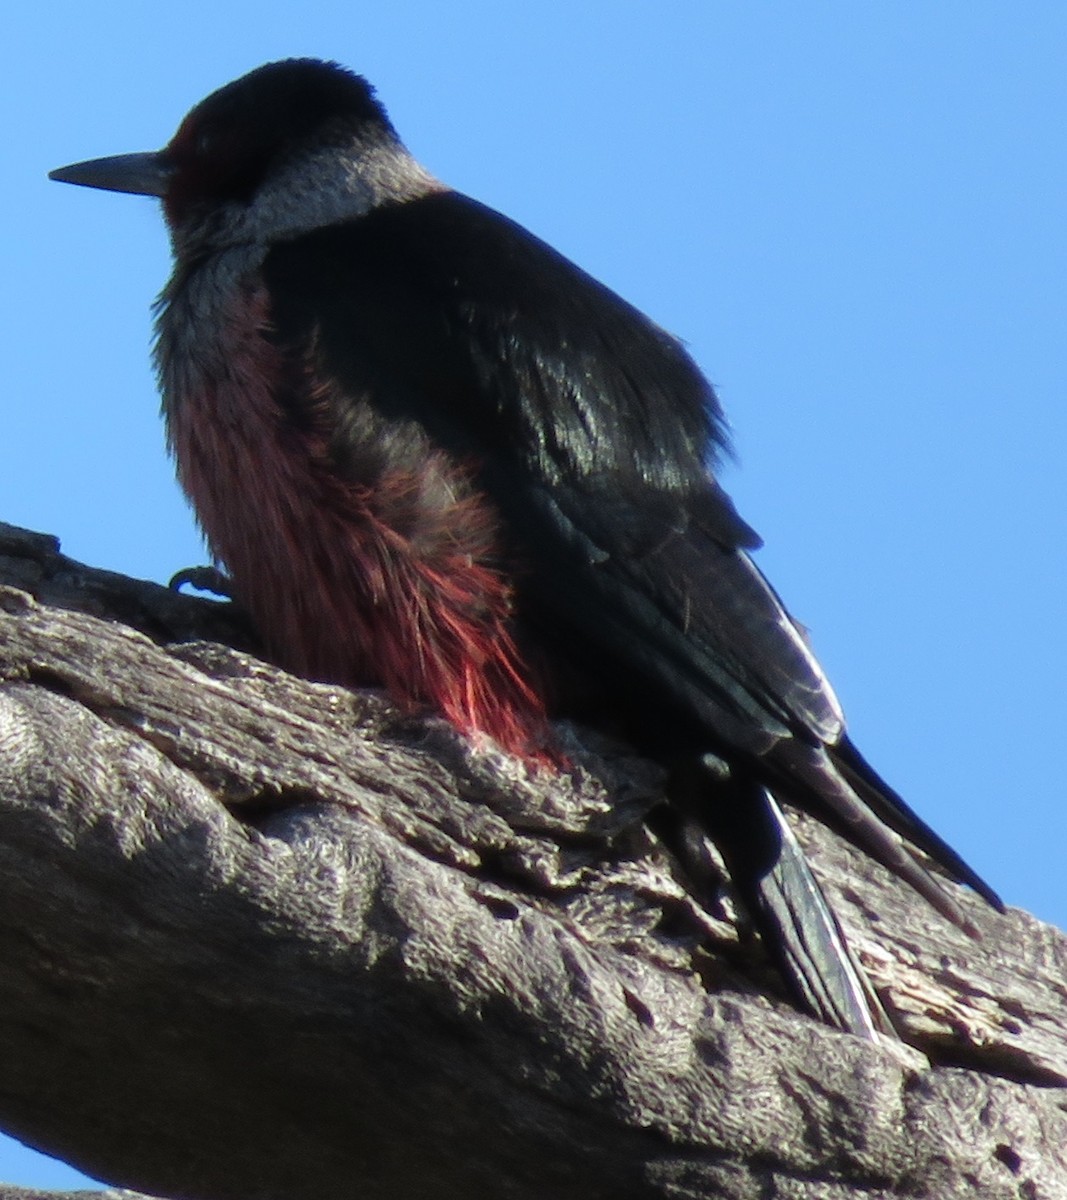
(141,174)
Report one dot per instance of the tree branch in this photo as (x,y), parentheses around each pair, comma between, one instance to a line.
(266,938)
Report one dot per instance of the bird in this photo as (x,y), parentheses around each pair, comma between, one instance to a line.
(433,454)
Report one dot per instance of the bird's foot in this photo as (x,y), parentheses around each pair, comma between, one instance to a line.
(204,579)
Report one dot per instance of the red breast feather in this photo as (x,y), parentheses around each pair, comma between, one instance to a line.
(388,580)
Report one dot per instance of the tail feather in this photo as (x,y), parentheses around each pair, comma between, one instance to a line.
(890,808)
(808,941)
(776,884)
(820,786)
(789,909)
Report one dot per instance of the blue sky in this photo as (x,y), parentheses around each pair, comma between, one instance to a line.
(853,214)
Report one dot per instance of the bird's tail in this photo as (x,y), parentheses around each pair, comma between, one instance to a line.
(787,905)
(836,784)
(892,810)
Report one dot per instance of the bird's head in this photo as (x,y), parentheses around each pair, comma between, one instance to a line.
(289,147)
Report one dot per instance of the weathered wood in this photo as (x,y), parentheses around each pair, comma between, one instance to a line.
(265,938)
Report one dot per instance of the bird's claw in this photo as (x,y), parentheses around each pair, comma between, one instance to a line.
(204,579)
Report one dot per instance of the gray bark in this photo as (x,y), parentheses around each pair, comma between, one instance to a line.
(263,938)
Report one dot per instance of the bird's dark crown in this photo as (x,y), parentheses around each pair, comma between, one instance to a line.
(232,139)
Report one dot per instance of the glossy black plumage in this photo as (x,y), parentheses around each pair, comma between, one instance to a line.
(594,432)
(407,323)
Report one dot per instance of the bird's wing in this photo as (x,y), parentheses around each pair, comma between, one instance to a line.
(594,434)
(591,428)
(704,644)
(718,647)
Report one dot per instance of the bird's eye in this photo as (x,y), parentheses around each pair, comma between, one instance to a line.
(204,145)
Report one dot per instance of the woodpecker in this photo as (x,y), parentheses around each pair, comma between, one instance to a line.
(433,454)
